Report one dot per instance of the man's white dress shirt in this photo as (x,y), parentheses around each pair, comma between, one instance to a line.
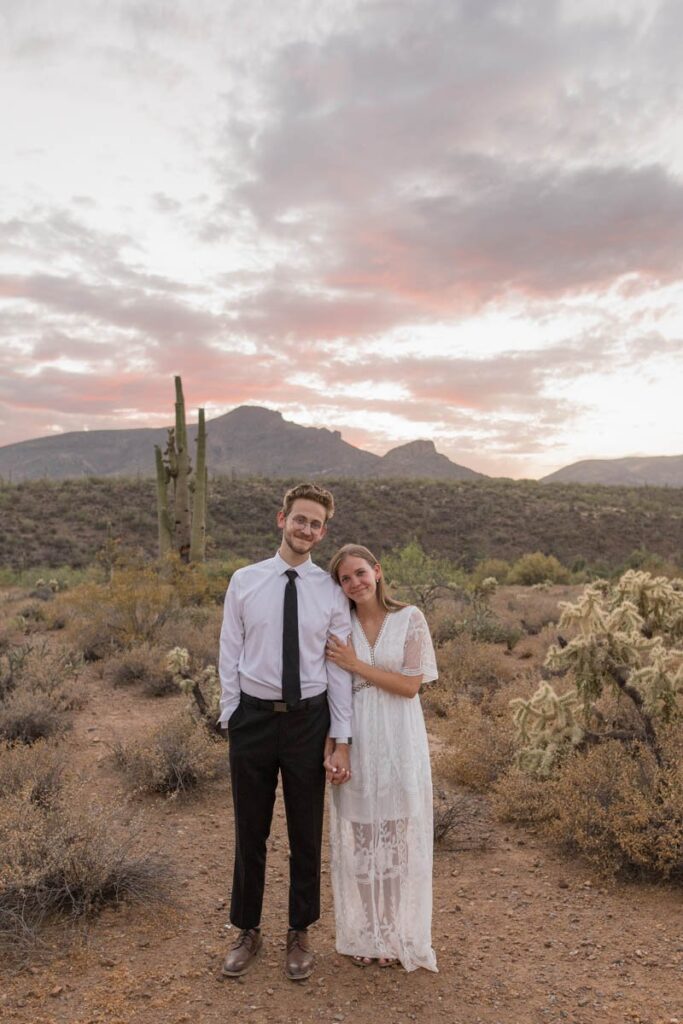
(251,638)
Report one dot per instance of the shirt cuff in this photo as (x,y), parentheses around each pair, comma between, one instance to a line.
(228,709)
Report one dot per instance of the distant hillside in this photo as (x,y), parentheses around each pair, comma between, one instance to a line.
(655,471)
(246,441)
(51,524)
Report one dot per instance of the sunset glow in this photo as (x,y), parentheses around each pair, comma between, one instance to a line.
(441,220)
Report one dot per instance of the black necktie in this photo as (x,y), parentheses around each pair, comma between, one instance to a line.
(291,683)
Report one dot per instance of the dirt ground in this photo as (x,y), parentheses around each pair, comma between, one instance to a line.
(522,936)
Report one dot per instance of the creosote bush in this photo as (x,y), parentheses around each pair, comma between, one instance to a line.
(177,756)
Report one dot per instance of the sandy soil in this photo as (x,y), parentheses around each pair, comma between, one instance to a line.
(521,934)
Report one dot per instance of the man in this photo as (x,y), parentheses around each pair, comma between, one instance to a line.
(280,699)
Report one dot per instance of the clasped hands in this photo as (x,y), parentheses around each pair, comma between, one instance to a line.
(336,759)
(336,762)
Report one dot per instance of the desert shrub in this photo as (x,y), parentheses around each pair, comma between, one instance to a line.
(177,756)
(445,628)
(12,659)
(620,809)
(30,617)
(447,814)
(198,631)
(68,858)
(472,615)
(478,746)
(490,630)
(27,716)
(420,578)
(468,666)
(522,798)
(650,562)
(42,692)
(32,773)
(537,568)
(538,610)
(491,568)
(143,666)
(128,610)
(203,583)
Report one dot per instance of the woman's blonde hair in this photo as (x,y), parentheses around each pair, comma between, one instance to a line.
(387,602)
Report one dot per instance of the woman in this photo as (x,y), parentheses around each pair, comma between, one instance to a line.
(381,819)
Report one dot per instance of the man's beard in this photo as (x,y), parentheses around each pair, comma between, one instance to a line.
(300,545)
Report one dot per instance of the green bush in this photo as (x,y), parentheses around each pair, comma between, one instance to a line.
(538,568)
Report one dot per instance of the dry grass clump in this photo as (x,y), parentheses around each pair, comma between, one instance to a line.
(144,667)
(38,692)
(177,756)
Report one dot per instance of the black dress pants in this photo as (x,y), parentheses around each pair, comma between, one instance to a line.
(263,743)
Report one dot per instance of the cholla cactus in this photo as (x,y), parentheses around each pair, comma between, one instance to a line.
(545,724)
(657,599)
(624,639)
(203,686)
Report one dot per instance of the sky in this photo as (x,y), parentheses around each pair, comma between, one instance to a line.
(459,220)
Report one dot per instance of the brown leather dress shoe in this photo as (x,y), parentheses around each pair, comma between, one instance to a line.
(299,962)
(239,959)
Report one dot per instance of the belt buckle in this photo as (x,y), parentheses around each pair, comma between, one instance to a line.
(279,705)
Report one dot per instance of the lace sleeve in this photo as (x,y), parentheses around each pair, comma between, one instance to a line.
(418,650)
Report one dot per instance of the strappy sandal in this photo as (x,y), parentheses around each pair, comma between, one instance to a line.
(384,961)
(362,961)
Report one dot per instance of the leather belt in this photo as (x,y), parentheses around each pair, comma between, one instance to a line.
(280,706)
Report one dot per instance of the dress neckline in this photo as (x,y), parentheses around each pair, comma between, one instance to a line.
(379,631)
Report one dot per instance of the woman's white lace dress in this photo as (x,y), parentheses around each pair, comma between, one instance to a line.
(381,827)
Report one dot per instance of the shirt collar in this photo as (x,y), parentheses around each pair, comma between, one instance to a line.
(281,566)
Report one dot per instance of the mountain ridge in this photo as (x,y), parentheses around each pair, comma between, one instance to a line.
(247,440)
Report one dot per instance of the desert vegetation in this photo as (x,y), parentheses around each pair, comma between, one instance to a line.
(584,744)
(535,732)
(602,530)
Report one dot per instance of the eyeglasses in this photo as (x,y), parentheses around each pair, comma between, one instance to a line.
(301,522)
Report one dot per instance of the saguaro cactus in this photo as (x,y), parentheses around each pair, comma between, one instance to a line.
(198,541)
(182,534)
